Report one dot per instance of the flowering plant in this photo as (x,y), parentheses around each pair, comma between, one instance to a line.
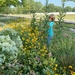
(10,47)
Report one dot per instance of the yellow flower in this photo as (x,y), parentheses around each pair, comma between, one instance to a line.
(27,40)
(42,54)
(39,44)
(44,47)
(56,65)
(22,26)
(36,38)
(29,30)
(70,66)
(42,50)
(54,68)
(56,74)
(1,28)
(22,31)
(72,73)
(32,34)
(38,52)
(34,46)
(22,38)
(33,40)
(29,46)
(48,73)
(25,48)
(42,37)
(35,31)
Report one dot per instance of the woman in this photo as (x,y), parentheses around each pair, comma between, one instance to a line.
(50,28)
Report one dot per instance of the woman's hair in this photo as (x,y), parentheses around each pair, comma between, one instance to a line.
(52,17)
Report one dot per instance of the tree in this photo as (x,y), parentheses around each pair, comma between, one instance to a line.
(38,6)
(32,6)
(4,3)
(73,9)
(51,8)
(28,5)
(57,8)
(25,4)
(68,9)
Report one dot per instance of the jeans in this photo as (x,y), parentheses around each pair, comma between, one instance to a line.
(48,40)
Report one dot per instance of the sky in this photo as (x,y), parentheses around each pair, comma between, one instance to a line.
(58,2)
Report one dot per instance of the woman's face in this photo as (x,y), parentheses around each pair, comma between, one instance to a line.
(50,19)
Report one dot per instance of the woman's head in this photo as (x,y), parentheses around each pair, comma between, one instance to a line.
(52,17)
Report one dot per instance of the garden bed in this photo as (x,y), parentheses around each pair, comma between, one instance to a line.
(34,58)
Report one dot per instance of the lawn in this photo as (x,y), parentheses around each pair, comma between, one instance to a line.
(68,17)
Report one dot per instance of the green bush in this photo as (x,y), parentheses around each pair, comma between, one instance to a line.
(13,36)
(10,47)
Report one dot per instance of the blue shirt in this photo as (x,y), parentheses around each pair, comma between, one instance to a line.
(50,29)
